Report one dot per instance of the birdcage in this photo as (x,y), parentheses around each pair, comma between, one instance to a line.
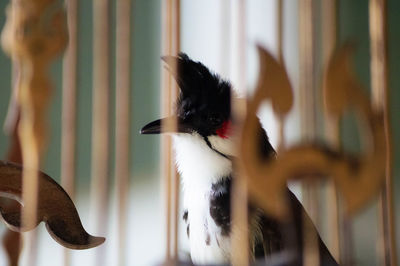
(81,77)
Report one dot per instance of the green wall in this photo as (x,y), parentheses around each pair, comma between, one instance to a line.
(353,26)
(5,73)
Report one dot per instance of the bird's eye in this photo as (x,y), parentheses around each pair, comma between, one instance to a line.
(214,120)
(187,113)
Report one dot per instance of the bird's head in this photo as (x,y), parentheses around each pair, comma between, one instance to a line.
(203,105)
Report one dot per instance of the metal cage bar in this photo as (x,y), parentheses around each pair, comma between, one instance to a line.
(122,124)
(169,91)
(329,36)
(69,106)
(101,123)
(307,104)
(381,101)
(239,201)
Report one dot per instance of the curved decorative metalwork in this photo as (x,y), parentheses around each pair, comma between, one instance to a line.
(267,180)
(55,208)
(34,35)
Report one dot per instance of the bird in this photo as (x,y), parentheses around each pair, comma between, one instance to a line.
(204,155)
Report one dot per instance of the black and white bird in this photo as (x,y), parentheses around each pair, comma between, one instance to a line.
(203,151)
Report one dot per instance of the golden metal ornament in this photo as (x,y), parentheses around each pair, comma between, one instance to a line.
(34,34)
(55,208)
(267,180)
(274,78)
(12,241)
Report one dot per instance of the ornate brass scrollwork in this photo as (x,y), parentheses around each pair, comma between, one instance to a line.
(358,178)
(55,208)
(34,35)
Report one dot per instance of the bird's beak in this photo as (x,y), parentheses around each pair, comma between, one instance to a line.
(170,124)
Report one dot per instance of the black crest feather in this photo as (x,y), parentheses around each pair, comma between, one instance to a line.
(204,98)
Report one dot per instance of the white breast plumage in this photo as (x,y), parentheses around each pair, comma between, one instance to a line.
(200,167)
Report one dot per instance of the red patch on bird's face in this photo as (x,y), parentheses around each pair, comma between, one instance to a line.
(224,129)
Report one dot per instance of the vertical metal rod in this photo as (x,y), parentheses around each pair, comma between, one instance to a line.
(68,138)
(332,201)
(68,132)
(280,19)
(306,86)
(381,101)
(240,243)
(122,124)
(166,144)
(329,36)
(307,70)
(12,241)
(170,182)
(101,124)
(307,91)
(176,216)
(308,118)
